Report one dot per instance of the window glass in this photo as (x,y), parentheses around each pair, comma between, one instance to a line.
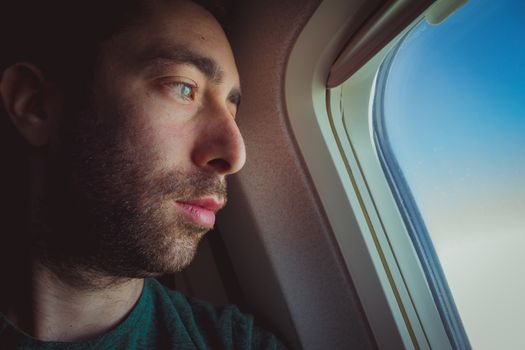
(449,124)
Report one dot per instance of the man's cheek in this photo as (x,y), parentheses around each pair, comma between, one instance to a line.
(169,144)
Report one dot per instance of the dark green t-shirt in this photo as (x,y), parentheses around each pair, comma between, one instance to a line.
(162,319)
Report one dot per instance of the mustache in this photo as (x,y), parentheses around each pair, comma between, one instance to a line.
(186,186)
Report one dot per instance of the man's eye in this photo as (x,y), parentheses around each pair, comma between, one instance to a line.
(182,90)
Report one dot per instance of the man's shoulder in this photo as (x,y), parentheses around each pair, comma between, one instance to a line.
(224,327)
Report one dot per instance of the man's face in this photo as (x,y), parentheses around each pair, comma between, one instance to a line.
(147,160)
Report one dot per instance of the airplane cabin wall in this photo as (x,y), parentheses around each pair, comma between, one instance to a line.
(276,233)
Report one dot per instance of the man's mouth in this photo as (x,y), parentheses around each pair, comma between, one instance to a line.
(201,211)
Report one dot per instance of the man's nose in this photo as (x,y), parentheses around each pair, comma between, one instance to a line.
(220,146)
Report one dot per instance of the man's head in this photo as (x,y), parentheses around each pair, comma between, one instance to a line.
(129,162)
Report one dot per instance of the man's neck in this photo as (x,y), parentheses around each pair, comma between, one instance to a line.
(62,312)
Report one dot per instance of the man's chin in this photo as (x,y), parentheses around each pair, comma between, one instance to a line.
(174,256)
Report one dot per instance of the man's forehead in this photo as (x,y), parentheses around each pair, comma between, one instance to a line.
(169,35)
(181,21)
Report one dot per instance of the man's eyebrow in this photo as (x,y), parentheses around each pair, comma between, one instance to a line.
(158,58)
(235,97)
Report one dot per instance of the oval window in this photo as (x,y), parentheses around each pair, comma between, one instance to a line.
(449,124)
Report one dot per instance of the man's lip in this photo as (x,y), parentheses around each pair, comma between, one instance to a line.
(210,204)
(201,211)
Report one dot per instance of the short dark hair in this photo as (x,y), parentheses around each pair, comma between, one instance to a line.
(62,37)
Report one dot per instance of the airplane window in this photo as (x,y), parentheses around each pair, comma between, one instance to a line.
(449,127)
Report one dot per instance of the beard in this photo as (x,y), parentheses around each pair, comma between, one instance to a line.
(105,209)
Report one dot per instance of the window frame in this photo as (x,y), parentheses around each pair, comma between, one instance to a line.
(352,186)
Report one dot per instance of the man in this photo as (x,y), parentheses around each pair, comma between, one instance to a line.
(127,112)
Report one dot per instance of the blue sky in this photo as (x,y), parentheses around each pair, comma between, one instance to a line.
(455,98)
(455,116)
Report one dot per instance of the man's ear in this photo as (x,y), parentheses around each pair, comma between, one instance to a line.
(32,103)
